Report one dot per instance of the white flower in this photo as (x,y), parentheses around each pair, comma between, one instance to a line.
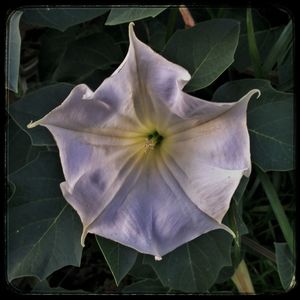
(146,164)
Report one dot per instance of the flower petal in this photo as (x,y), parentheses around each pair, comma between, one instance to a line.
(209,157)
(151,212)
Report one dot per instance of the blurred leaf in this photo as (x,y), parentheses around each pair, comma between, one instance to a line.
(60,18)
(151,286)
(85,55)
(279,47)
(285,265)
(265,39)
(277,208)
(205,50)
(13,51)
(142,271)
(286,71)
(119,258)
(43,287)
(157,34)
(121,15)
(253,50)
(43,230)
(53,46)
(194,267)
(270,122)
(19,148)
(36,105)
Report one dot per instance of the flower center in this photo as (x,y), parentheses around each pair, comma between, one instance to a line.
(153,140)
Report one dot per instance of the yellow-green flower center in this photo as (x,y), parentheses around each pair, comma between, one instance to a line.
(153,140)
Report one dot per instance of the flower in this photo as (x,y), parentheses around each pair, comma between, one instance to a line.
(146,164)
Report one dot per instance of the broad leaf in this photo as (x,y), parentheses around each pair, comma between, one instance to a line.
(119,258)
(85,55)
(13,52)
(205,50)
(270,122)
(145,286)
(194,267)
(19,148)
(53,46)
(36,105)
(286,72)
(121,15)
(265,39)
(60,18)
(43,230)
(285,265)
(141,270)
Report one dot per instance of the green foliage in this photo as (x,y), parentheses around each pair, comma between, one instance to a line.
(60,18)
(194,267)
(119,258)
(13,52)
(121,15)
(43,230)
(205,50)
(286,265)
(270,122)
(29,109)
(72,46)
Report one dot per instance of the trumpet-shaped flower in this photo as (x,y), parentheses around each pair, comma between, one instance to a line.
(146,164)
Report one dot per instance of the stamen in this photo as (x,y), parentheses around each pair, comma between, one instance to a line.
(153,140)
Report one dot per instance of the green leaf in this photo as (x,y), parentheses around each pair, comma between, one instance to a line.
(119,258)
(60,18)
(121,15)
(19,148)
(285,265)
(142,271)
(43,230)
(13,52)
(277,208)
(53,47)
(253,50)
(36,105)
(194,267)
(270,122)
(265,39)
(206,50)
(85,55)
(145,286)
(286,71)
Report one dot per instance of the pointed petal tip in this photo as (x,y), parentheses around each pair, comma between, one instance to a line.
(157,258)
(83,235)
(32,124)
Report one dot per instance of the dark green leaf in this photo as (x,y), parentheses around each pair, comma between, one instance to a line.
(264,39)
(205,50)
(121,15)
(60,18)
(19,148)
(270,122)
(194,267)
(53,47)
(85,55)
(44,231)
(286,71)
(119,258)
(36,105)
(13,52)
(145,286)
(142,271)
(285,265)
